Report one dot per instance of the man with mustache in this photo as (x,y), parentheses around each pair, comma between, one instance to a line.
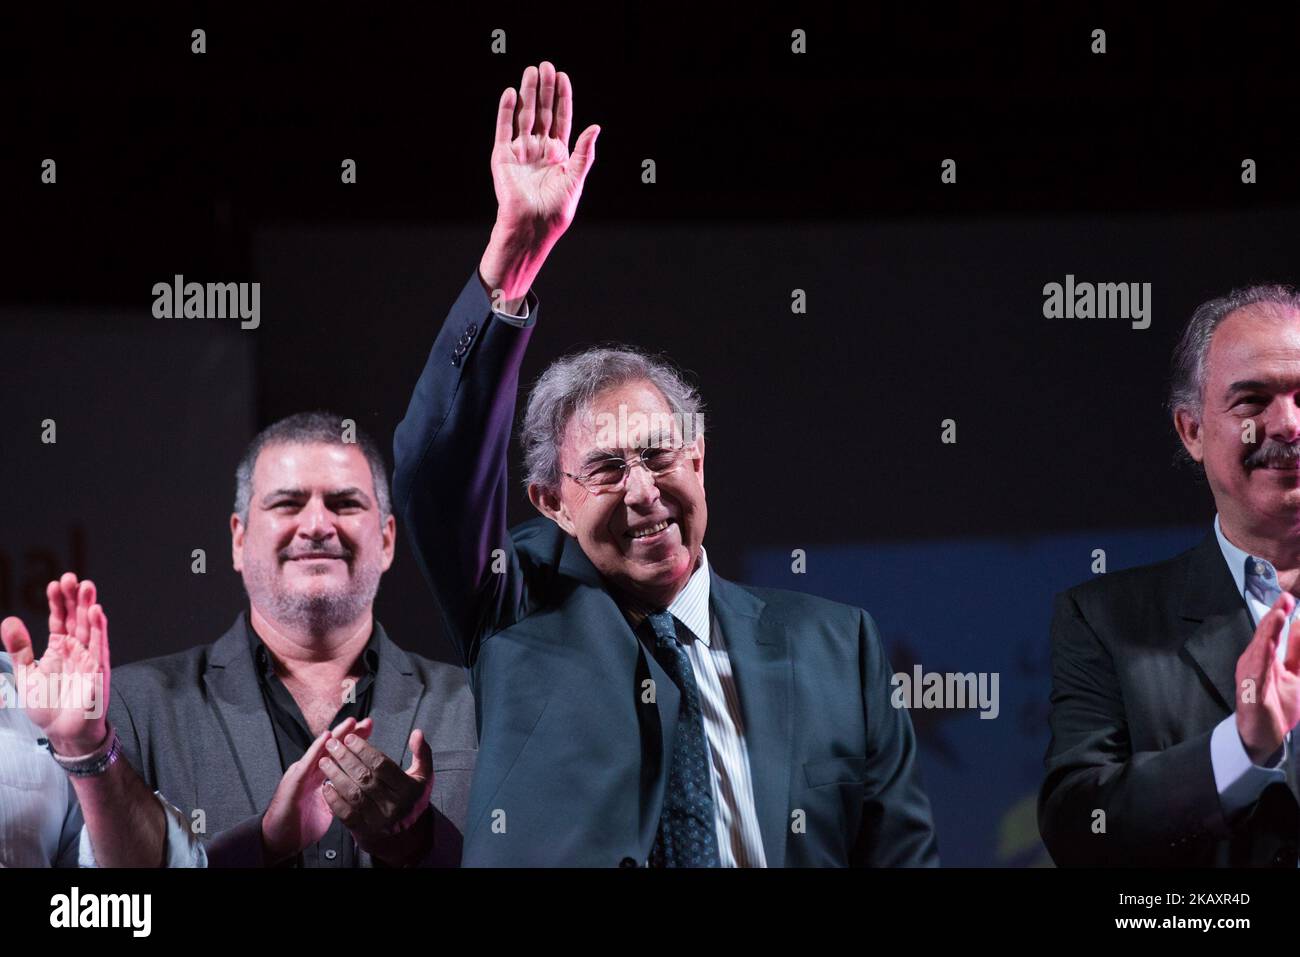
(1175,687)
(634,706)
(238,732)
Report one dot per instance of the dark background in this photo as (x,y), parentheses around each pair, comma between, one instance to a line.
(775,172)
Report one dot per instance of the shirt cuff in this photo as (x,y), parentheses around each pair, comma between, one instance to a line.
(1238,780)
(180,847)
(521,322)
(85,853)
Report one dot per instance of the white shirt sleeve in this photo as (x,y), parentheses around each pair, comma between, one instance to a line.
(180,847)
(1239,781)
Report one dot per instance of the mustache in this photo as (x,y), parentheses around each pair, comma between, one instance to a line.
(1273,455)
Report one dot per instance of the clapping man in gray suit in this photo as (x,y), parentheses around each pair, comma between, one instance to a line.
(238,733)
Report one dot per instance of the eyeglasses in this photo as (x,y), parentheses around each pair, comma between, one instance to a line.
(610,475)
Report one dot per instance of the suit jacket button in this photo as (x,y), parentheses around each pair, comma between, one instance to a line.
(1285,856)
(627,862)
(471,329)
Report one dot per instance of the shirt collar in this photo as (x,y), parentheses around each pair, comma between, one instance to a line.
(6,665)
(1253,576)
(1234,556)
(690,607)
(266,667)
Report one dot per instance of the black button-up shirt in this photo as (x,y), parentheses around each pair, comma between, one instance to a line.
(293,738)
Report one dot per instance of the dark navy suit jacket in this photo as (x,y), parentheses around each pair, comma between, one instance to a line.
(572,761)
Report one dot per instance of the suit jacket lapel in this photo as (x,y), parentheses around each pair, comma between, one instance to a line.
(397,693)
(760,659)
(1222,625)
(575,565)
(231,683)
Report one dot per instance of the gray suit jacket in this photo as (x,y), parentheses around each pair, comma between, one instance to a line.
(194,726)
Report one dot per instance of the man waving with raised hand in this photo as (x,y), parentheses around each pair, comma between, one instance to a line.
(634,707)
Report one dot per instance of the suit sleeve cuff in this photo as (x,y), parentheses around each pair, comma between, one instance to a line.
(238,846)
(1239,781)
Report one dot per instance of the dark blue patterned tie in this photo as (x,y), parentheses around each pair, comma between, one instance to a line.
(687,835)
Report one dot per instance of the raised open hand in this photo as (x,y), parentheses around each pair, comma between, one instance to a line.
(65,692)
(538,181)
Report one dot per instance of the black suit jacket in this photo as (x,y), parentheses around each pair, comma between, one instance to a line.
(572,762)
(193,724)
(1143,668)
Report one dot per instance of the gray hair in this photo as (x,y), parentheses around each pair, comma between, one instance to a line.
(300,429)
(1187,378)
(571,383)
